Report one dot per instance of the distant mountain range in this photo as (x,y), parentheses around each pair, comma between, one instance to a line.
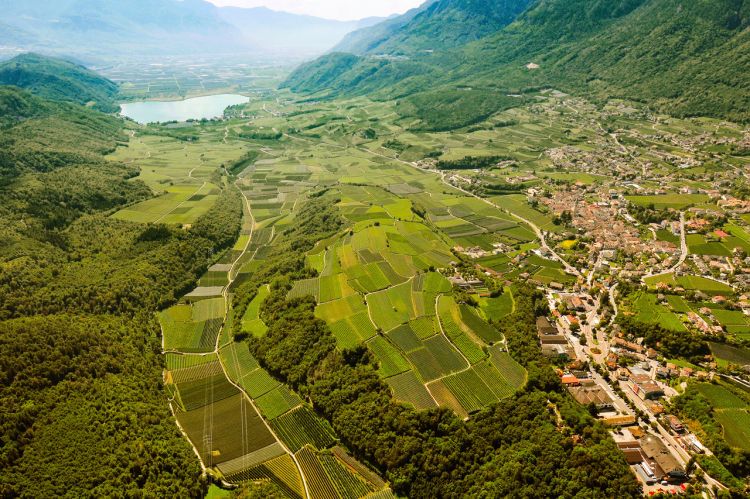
(110,28)
(282,32)
(682,57)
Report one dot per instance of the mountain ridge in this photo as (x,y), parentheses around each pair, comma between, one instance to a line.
(436,25)
(634,49)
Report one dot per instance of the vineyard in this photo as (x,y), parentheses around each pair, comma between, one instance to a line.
(302,427)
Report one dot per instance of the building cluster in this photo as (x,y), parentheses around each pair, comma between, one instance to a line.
(554,343)
(650,457)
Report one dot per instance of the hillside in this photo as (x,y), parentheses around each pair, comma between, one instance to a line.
(366,39)
(672,54)
(59,80)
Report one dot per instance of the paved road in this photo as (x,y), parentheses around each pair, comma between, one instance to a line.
(675,448)
(683,252)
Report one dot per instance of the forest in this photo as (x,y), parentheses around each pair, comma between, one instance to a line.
(80,363)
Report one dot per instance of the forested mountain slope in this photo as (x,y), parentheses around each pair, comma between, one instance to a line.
(363,40)
(82,408)
(436,25)
(59,80)
(686,58)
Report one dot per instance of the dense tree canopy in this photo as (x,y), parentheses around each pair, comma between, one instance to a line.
(82,409)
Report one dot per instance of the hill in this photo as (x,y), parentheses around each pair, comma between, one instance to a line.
(59,80)
(683,58)
(82,400)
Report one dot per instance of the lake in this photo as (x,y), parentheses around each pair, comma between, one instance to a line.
(208,107)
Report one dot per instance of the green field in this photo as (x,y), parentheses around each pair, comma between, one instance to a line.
(180,170)
(302,427)
(698,283)
(736,424)
(647,310)
(729,353)
(674,201)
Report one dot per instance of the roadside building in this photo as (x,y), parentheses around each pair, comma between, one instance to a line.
(648,390)
(545,328)
(660,459)
(628,345)
(562,352)
(691,442)
(675,424)
(586,395)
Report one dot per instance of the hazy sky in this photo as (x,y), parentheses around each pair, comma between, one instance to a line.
(331,9)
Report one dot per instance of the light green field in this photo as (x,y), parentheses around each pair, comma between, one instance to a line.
(674,201)
(182,172)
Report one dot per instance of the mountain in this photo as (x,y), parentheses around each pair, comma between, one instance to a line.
(369,38)
(436,25)
(59,80)
(284,32)
(684,58)
(104,29)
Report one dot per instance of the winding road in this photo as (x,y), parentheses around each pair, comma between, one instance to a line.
(683,253)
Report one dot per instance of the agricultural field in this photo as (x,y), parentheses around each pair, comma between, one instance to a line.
(497,307)
(674,201)
(731,411)
(382,280)
(691,282)
(378,283)
(647,310)
(184,173)
(251,321)
(728,354)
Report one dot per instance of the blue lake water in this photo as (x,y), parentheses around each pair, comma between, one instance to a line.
(197,108)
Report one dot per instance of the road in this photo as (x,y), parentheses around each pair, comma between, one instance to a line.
(683,252)
(682,456)
(613,301)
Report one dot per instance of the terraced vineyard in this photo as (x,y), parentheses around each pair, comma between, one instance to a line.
(379,287)
(243,423)
(381,283)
